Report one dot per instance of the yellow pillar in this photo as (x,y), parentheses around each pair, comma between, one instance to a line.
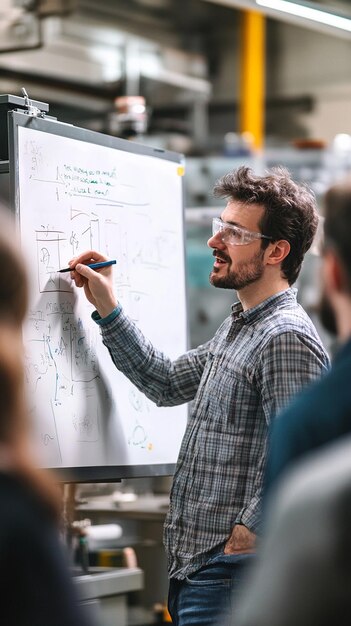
(252,92)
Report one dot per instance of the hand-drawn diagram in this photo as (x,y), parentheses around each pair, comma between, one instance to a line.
(74,197)
(139,435)
(48,258)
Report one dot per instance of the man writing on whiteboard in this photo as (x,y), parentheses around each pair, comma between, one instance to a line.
(262,354)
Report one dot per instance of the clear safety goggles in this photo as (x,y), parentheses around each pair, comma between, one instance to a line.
(234,235)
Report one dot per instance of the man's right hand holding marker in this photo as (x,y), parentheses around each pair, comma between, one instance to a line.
(97,284)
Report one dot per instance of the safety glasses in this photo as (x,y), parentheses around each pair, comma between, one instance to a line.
(234,235)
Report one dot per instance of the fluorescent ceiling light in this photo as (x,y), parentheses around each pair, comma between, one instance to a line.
(316,15)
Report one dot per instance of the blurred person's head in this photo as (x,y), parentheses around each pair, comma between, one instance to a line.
(13,422)
(279,218)
(13,277)
(15,448)
(335,306)
(13,307)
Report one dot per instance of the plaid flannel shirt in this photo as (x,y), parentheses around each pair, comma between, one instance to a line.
(257,360)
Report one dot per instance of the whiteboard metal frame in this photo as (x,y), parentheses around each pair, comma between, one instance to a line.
(16,119)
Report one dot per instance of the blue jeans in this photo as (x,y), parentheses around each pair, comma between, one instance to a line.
(207,597)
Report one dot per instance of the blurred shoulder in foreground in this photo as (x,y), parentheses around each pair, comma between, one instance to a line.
(304,571)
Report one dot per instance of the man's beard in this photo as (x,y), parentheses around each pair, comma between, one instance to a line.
(246,273)
(327,315)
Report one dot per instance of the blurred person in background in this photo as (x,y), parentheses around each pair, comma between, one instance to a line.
(36,588)
(304,572)
(262,354)
(323,412)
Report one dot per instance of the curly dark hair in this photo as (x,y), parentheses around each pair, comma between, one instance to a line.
(290,210)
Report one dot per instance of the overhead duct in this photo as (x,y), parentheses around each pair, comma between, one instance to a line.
(89,54)
(312,15)
(19,27)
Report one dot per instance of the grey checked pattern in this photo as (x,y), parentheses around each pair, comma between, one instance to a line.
(238,381)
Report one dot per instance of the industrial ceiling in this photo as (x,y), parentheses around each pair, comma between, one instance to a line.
(84,53)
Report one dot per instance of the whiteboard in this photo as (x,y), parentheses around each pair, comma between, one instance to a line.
(77,190)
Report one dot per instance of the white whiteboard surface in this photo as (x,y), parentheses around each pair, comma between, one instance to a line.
(76,195)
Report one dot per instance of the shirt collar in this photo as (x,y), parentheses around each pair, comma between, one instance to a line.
(279,299)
